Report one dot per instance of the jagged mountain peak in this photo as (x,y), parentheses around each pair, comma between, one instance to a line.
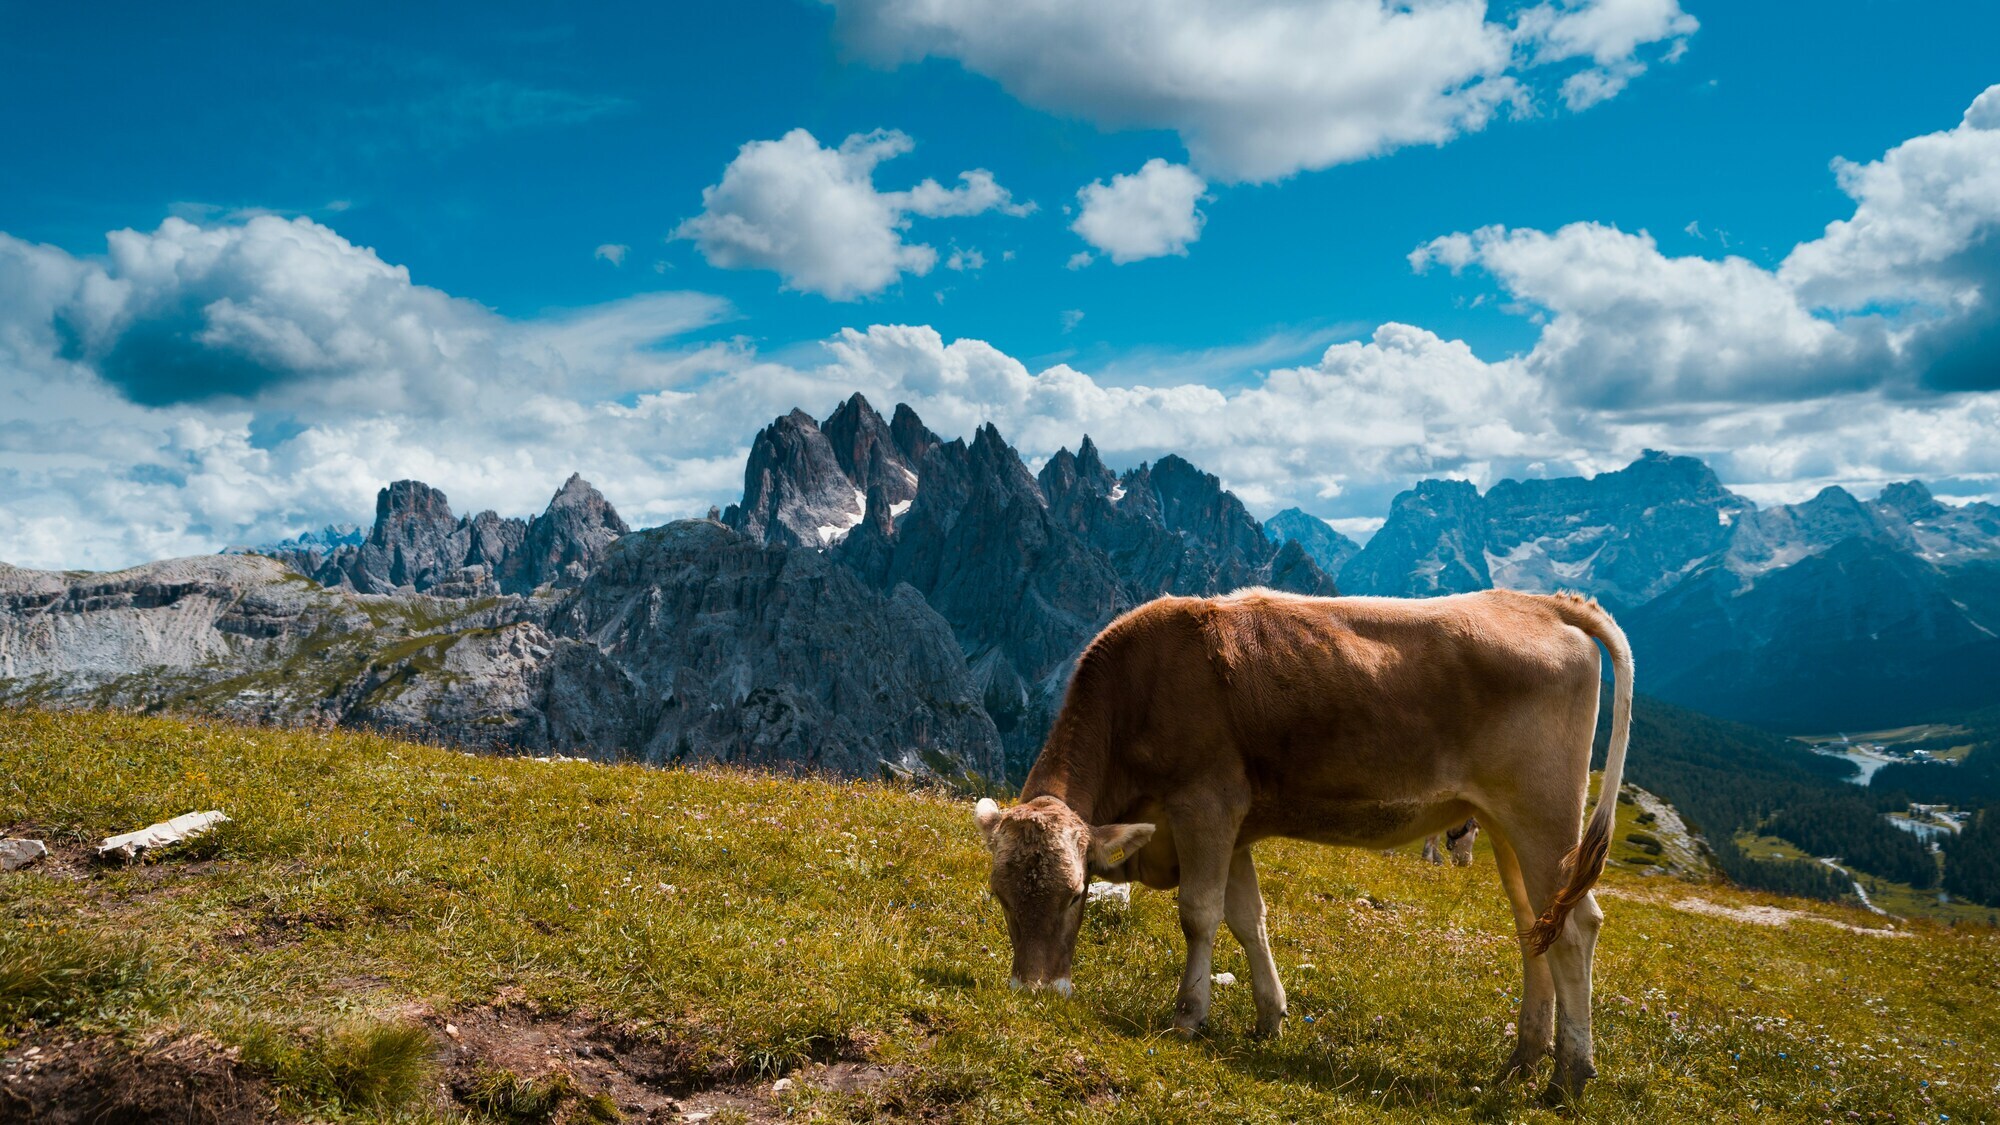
(1911,499)
(1325,546)
(579,494)
(1087,456)
(410,499)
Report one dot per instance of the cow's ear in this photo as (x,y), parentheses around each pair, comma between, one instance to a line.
(987,813)
(1112,844)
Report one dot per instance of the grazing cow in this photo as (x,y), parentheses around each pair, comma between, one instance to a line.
(1194,727)
(1457,843)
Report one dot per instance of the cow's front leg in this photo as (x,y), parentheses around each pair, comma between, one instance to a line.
(1245,910)
(1204,887)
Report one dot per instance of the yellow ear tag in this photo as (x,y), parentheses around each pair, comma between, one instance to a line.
(1116,857)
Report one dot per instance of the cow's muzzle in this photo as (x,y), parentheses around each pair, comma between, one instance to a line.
(1060,986)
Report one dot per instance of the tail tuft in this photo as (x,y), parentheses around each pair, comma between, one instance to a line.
(1581,869)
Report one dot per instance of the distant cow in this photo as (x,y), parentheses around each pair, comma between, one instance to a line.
(1457,844)
(1195,727)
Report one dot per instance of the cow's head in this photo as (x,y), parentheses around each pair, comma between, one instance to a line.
(1043,857)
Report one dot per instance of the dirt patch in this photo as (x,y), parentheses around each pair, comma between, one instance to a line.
(182,1080)
(515,1063)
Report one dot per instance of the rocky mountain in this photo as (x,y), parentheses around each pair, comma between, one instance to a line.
(884,600)
(1328,549)
(695,642)
(308,547)
(689,642)
(1434,542)
(416,545)
(1025,569)
(1830,612)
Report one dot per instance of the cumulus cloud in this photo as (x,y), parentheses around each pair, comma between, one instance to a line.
(1610,34)
(1904,292)
(1260,90)
(613,252)
(814,216)
(196,386)
(1626,324)
(1148,214)
(191,312)
(94,477)
(205,384)
(1918,212)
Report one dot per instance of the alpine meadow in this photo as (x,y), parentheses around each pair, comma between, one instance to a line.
(862,560)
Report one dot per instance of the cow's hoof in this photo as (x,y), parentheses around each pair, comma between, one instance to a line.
(1566,1085)
(1271,1026)
(1189,1029)
(1520,1066)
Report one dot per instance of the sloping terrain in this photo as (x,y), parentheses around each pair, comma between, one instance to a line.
(687,643)
(390,930)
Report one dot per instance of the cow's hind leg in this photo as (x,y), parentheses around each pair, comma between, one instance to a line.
(1206,840)
(1539,847)
(1535,1029)
(1570,958)
(1245,909)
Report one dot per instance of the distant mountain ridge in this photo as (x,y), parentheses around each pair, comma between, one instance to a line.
(1834,611)
(882,598)
(417,546)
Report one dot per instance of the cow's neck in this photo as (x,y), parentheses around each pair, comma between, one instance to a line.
(1076,765)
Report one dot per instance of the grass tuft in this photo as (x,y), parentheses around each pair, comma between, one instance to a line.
(55,975)
(507,1097)
(370,1066)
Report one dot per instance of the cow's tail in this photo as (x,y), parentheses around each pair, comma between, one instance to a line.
(1585,862)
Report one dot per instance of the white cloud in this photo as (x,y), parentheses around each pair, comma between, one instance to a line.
(814,216)
(1609,33)
(200,385)
(1905,291)
(1148,214)
(1919,212)
(1627,324)
(613,252)
(965,260)
(1260,90)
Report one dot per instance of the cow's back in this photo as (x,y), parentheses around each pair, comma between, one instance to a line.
(1377,698)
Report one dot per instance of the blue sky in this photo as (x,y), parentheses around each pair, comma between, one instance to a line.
(491,151)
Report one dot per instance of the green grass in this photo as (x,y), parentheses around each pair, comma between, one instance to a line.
(760,923)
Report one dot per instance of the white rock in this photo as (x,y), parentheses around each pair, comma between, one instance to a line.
(16,854)
(781,1085)
(183,827)
(1224,978)
(1114,894)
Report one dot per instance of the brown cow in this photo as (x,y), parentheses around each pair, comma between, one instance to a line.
(1194,727)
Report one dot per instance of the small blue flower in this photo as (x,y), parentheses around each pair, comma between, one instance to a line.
(1309,1019)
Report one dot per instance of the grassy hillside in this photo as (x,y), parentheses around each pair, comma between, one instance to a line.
(616,942)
